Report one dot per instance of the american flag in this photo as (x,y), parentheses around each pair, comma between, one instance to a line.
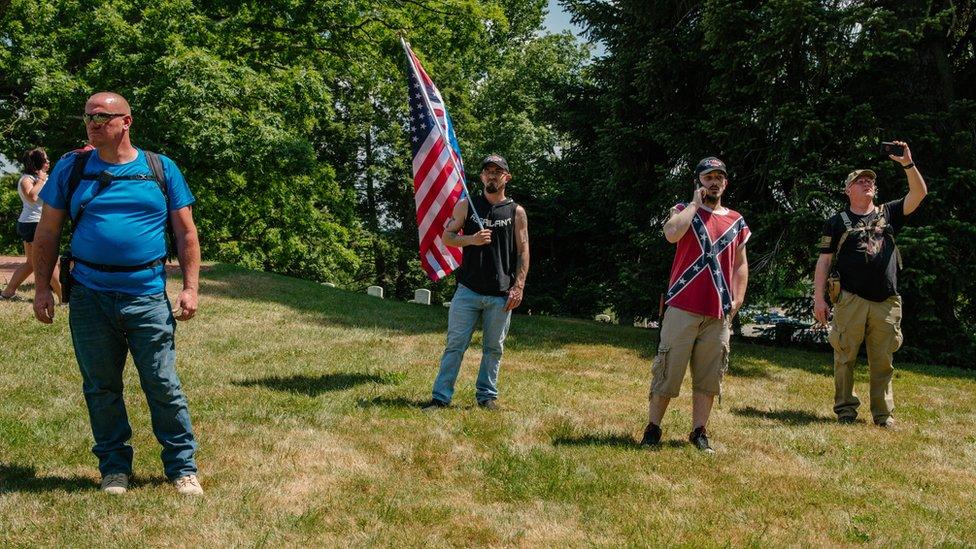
(438,173)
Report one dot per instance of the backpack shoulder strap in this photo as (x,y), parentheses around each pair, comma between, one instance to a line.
(75,177)
(847,230)
(846,219)
(156,166)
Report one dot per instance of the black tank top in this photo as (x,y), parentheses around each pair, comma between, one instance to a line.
(490,269)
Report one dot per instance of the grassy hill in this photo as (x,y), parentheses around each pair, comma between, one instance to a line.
(304,399)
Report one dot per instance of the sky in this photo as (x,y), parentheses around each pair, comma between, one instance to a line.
(556,21)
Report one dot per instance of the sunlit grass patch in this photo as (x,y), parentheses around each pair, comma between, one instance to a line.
(306,400)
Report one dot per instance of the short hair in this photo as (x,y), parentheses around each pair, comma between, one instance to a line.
(34,160)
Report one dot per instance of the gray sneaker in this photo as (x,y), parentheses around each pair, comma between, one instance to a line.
(188,485)
(115,483)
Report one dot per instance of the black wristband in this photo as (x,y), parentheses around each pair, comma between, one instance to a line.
(908,166)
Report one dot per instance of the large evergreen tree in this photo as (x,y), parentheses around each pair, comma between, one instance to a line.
(792,95)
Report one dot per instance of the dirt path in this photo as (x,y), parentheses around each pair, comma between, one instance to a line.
(7,266)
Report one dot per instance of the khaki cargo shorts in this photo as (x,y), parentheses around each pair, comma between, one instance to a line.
(702,341)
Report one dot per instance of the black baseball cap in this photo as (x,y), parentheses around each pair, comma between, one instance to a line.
(496,160)
(710,164)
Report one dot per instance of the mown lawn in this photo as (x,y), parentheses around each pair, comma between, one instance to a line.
(304,399)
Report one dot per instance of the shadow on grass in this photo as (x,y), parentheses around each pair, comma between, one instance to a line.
(18,478)
(822,363)
(612,440)
(314,386)
(752,371)
(391,402)
(789,417)
(331,306)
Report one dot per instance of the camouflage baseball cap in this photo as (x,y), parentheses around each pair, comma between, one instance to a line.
(858,173)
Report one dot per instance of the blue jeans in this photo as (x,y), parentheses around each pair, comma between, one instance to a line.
(466,306)
(105,327)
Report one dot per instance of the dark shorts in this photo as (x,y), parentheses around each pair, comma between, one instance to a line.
(26,231)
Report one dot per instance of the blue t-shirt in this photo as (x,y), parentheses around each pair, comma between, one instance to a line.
(124,224)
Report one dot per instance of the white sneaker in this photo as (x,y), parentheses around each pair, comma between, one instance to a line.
(116,483)
(188,485)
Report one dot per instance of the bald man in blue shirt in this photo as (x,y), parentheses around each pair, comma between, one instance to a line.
(118,301)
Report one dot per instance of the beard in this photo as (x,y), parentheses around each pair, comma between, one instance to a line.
(710,200)
(491,188)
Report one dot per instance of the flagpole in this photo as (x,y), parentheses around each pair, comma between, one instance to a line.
(423,90)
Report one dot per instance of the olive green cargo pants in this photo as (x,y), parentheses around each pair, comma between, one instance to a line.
(878,325)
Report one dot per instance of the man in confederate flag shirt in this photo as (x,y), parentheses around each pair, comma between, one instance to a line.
(707,287)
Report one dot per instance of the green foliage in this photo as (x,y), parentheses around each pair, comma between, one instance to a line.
(10,207)
(289,119)
(792,95)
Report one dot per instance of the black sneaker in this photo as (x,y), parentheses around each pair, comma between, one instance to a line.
(490,404)
(434,404)
(700,440)
(652,435)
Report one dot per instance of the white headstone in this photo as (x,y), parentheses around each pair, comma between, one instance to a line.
(375,291)
(447,304)
(329,284)
(421,296)
(603,318)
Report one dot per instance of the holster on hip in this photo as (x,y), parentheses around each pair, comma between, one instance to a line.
(64,277)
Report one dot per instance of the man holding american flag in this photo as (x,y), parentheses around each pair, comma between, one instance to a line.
(491,277)
(486,239)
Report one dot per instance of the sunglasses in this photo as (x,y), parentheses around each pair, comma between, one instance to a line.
(99,117)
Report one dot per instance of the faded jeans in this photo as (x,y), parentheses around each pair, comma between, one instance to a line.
(105,327)
(466,307)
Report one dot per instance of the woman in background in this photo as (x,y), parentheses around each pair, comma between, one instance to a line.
(28,187)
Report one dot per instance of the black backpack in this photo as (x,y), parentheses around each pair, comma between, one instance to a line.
(105,179)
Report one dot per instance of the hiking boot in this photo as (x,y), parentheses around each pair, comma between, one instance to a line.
(490,404)
(115,483)
(700,440)
(846,420)
(434,404)
(188,485)
(887,423)
(652,435)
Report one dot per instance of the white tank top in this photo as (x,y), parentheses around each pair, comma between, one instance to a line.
(31,213)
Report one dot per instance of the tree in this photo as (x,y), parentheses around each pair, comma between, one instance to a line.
(792,95)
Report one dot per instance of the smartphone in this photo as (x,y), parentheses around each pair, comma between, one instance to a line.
(887,148)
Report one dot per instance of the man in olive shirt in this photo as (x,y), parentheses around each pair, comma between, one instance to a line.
(869,307)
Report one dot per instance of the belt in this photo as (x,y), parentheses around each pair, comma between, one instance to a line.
(119,268)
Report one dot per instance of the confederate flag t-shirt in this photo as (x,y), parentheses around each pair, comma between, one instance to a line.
(701,275)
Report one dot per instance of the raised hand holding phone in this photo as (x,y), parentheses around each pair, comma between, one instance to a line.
(898,151)
(698,197)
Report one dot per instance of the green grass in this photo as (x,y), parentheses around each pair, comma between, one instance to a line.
(304,400)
